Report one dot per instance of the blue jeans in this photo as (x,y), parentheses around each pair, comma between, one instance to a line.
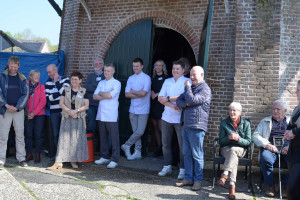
(92,113)
(55,119)
(193,154)
(35,130)
(267,160)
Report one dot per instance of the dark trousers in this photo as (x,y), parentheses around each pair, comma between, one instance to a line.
(294,181)
(109,129)
(55,119)
(34,129)
(92,113)
(167,135)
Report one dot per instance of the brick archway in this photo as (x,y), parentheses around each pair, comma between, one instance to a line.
(161,19)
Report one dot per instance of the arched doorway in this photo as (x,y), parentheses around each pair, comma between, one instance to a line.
(169,46)
(139,40)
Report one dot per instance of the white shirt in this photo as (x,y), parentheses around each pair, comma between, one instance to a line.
(138,83)
(108,108)
(172,88)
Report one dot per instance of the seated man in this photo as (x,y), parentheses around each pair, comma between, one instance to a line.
(235,137)
(269,127)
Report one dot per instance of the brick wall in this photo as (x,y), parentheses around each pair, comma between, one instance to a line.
(289,51)
(254,48)
(220,68)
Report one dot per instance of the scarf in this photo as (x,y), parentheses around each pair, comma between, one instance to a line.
(32,87)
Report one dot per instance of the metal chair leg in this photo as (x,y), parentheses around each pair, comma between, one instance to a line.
(279,176)
(214,175)
(249,178)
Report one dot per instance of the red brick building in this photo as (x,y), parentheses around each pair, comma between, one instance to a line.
(254,53)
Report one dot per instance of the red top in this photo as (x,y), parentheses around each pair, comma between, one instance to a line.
(37,101)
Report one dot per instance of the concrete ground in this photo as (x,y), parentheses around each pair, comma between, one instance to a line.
(130,180)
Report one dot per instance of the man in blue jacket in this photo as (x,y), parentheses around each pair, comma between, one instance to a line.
(14,94)
(195,102)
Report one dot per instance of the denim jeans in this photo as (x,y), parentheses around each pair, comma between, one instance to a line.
(55,123)
(193,154)
(267,159)
(167,130)
(34,129)
(92,113)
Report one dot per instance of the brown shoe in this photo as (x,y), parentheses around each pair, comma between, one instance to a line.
(29,156)
(231,195)
(284,191)
(196,186)
(37,158)
(222,180)
(184,183)
(270,191)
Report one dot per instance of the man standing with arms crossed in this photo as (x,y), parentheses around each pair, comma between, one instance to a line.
(14,93)
(138,90)
(107,93)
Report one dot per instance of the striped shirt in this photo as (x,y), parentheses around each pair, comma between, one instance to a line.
(54,91)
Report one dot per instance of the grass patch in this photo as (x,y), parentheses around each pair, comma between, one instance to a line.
(102,187)
(28,190)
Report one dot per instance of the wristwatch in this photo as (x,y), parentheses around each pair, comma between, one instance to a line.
(168,97)
(78,110)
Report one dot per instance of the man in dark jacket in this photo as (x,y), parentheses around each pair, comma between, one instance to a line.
(14,94)
(90,85)
(195,102)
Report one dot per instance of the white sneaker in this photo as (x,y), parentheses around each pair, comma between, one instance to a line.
(112,165)
(135,156)
(181,174)
(126,150)
(165,170)
(102,161)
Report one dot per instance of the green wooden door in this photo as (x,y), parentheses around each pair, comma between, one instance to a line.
(205,38)
(135,41)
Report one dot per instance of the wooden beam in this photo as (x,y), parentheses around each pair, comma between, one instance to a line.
(56,7)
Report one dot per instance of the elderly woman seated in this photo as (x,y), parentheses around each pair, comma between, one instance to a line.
(235,137)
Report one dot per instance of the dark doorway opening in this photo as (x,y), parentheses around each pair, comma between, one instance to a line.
(169,46)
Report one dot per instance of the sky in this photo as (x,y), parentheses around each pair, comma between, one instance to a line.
(37,15)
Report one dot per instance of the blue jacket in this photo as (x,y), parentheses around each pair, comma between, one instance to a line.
(195,102)
(3,91)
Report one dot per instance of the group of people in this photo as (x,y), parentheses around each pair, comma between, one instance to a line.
(235,136)
(179,105)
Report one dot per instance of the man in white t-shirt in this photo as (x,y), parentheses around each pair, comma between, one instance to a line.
(107,93)
(138,90)
(168,94)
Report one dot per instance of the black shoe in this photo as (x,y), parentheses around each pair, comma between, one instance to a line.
(23,163)
(1,166)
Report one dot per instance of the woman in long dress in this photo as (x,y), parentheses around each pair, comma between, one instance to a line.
(72,143)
